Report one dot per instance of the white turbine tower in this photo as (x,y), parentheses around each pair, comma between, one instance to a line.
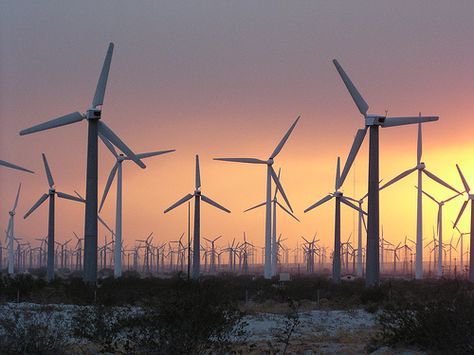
(439,227)
(14,166)
(470,197)
(117,171)
(339,197)
(421,168)
(275,204)
(271,175)
(11,234)
(198,196)
(95,126)
(50,195)
(372,123)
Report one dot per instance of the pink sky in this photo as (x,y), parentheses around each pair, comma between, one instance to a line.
(227,79)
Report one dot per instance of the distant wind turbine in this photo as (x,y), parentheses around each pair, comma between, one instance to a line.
(11,234)
(95,126)
(198,196)
(50,195)
(470,197)
(372,122)
(271,175)
(339,197)
(117,170)
(275,203)
(421,168)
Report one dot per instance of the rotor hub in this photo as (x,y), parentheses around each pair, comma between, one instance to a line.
(337,194)
(421,166)
(93,114)
(270,161)
(11,213)
(374,120)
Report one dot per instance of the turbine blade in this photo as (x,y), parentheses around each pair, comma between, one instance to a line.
(356,96)
(358,140)
(243,160)
(464,182)
(68,197)
(452,197)
(16,199)
(115,140)
(400,121)
(48,171)
(319,203)
(152,154)
(463,207)
(104,74)
(56,122)
(105,225)
(13,166)
(280,187)
(419,150)
(256,206)
(338,173)
(284,139)
(108,145)
(276,190)
(214,203)
(365,224)
(399,177)
(439,181)
(36,205)
(108,184)
(183,200)
(351,205)
(284,209)
(427,194)
(198,173)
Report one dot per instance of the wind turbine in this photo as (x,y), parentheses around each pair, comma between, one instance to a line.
(198,196)
(212,268)
(117,170)
(461,237)
(11,234)
(338,195)
(271,175)
(95,126)
(275,204)
(439,226)
(470,197)
(372,123)
(14,166)
(50,195)
(420,167)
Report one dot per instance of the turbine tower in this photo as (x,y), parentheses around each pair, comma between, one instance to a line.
(271,175)
(275,204)
(50,195)
(95,126)
(198,196)
(421,168)
(439,227)
(11,234)
(372,123)
(117,170)
(339,197)
(470,197)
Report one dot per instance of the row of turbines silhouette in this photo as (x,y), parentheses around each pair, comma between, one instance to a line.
(368,258)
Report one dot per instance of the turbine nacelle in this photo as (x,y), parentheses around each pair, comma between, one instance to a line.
(374,120)
(52,190)
(337,194)
(421,166)
(270,161)
(93,113)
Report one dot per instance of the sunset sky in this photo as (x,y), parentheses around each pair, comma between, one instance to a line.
(227,79)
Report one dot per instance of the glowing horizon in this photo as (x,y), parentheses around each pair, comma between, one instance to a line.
(228,80)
